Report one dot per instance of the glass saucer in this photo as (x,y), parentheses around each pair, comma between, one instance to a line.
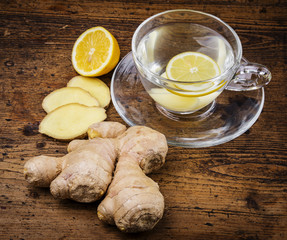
(229,116)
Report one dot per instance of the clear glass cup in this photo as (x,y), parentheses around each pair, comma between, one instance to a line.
(161,37)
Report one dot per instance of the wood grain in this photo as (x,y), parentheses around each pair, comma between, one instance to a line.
(237,190)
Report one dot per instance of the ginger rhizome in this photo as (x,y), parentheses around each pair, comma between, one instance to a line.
(84,173)
(106,130)
(133,201)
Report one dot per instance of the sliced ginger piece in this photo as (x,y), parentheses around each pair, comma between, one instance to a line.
(96,87)
(71,121)
(68,95)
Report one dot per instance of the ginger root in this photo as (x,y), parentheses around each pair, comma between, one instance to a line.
(133,201)
(106,129)
(87,171)
(82,175)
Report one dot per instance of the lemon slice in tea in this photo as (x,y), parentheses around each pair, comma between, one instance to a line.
(173,102)
(190,67)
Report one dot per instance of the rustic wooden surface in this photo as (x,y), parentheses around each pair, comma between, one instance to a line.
(234,191)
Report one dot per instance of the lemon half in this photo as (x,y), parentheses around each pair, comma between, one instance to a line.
(95,53)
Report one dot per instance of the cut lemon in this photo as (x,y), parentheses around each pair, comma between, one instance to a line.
(191,67)
(193,89)
(192,93)
(172,101)
(95,53)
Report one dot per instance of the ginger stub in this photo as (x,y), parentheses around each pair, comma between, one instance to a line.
(133,201)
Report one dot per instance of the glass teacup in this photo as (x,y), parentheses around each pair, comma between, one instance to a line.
(163,36)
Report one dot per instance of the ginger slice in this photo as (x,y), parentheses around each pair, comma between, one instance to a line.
(71,121)
(97,88)
(68,95)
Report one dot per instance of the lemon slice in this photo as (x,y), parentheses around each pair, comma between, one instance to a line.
(198,89)
(190,67)
(95,53)
(199,93)
(173,101)
(190,87)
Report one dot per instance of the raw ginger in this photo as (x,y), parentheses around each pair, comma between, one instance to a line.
(133,201)
(66,95)
(106,129)
(73,108)
(82,175)
(96,87)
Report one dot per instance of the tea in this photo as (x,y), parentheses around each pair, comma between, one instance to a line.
(160,45)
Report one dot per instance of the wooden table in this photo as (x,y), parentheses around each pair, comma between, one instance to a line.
(237,190)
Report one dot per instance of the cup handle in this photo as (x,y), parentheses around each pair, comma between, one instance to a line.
(249,76)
